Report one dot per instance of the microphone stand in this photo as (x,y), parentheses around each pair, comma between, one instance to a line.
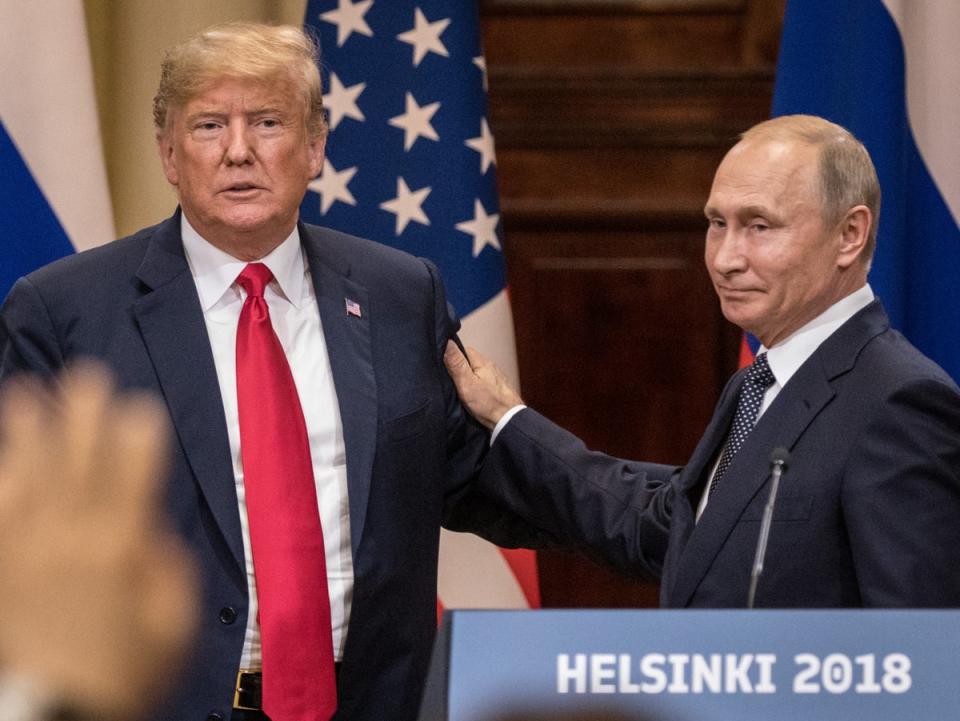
(778,464)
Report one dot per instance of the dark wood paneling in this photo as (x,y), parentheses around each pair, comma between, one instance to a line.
(603,42)
(621,342)
(625,109)
(610,119)
(621,303)
(617,7)
(595,179)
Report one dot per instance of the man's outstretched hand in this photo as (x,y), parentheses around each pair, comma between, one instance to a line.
(482,387)
(97,596)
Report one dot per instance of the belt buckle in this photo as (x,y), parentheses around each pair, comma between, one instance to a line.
(238,687)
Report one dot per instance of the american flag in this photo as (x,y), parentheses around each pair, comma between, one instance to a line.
(353,308)
(411,163)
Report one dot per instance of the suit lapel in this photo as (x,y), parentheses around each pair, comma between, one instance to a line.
(171,323)
(714,436)
(351,361)
(806,394)
(683,515)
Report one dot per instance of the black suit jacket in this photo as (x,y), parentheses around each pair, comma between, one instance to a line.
(410,448)
(868,513)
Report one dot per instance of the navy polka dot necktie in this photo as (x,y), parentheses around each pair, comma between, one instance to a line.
(759,378)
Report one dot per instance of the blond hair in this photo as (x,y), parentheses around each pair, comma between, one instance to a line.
(846,175)
(241,51)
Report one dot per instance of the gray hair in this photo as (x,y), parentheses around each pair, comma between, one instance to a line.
(846,176)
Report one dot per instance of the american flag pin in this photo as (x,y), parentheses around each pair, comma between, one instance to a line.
(353,308)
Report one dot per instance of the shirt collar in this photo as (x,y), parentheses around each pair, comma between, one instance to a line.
(786,357)
(215,271)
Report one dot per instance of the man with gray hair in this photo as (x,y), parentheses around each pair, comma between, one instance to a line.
(319,444)
(868,512)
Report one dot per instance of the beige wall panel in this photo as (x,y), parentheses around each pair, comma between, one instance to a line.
(127,38)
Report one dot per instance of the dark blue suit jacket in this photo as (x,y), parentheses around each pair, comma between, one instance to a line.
(868,513)
(410,448)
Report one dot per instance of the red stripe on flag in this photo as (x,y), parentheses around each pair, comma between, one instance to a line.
(523,563)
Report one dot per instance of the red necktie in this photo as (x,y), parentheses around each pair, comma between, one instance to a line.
(285,533)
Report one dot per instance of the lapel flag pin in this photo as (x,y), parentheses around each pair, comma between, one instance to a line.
(353,308)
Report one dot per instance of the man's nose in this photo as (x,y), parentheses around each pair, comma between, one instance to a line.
(728,255)
(239,144)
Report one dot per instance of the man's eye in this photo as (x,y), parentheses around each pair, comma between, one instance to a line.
(716,223)
(760,227)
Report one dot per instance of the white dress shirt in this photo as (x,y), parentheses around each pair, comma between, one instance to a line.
(786,357)
(296,321)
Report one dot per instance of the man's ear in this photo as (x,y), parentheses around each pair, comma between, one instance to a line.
(167,156)
(315,150)
(854,230)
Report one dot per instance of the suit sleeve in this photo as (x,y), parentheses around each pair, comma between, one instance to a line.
(28,340)
(467,442)
(901,499)
(616,511)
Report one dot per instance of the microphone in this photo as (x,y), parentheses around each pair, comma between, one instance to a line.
(779,460)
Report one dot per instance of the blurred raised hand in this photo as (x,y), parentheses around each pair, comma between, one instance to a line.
(97,596)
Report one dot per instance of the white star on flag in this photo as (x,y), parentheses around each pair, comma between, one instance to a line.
(416,122)
(341,102)
(410,195)
(484,146)
(332,186)
(483,228)
(481,62)
(348,17)
(425,37)
(407,205)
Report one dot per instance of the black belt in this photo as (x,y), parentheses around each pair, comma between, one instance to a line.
(248,692)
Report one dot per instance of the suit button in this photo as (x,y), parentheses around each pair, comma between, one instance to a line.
(228,614)
(214,716)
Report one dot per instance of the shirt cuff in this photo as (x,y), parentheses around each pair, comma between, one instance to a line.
(504,419)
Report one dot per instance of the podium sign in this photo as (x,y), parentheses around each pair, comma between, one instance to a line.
(698,665)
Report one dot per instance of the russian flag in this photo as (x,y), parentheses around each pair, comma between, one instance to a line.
(53,183)
(889,71)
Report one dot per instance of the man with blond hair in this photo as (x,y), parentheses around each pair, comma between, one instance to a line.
(868,512)
(319,444)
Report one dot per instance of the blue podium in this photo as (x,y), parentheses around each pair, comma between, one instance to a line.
(698,665)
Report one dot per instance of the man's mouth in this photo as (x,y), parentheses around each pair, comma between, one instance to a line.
(729,291)
(241,187)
